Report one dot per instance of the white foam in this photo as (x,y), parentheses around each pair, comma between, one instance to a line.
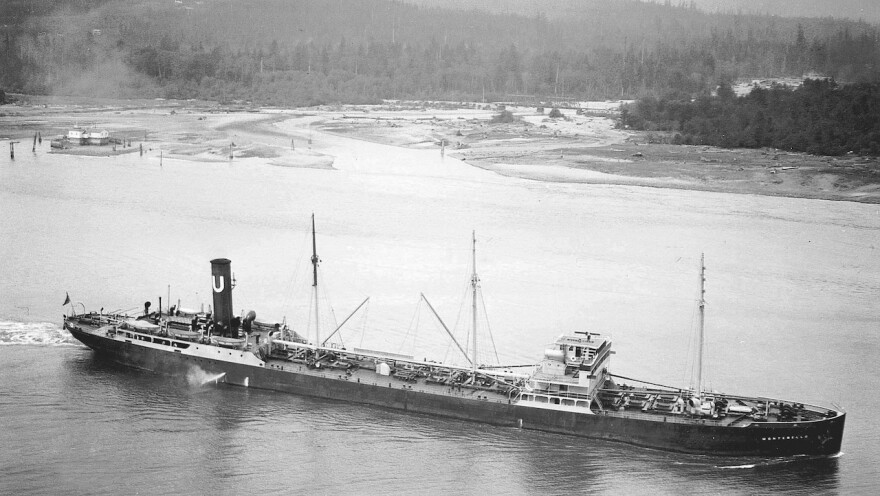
(198,377)
(34,333)
(751,465)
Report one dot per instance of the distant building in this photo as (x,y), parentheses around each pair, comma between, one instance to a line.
(88,136)
(99,137)
(76,134)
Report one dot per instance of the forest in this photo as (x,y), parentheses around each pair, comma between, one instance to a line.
(303,52)
(820,117)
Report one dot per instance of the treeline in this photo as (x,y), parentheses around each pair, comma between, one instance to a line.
(13,12)
(300,52)
(820,117)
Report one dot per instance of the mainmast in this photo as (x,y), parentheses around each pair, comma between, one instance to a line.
(475,282)
(702,319)
(315,261)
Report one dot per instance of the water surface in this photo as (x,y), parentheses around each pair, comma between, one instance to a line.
(792,312)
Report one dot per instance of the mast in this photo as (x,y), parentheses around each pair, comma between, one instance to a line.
(475,281)
(315,282)
(702,319)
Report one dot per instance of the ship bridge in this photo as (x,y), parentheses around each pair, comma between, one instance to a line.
(580,355)
(573,368)
(586,351)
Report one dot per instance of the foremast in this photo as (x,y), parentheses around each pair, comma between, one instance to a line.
(475,284)
(315,261)
(702,317)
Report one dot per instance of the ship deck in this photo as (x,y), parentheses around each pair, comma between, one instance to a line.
(399,381)
(416,377)
(441,380)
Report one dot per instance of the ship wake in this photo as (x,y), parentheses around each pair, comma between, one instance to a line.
(780,461)
(34,333)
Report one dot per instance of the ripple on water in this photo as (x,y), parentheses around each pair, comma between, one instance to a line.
(34,333)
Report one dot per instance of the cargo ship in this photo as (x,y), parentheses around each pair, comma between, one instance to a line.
(570,390)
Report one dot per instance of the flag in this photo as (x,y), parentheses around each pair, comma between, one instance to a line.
(66,299)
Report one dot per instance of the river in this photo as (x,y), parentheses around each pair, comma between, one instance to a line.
(792,291)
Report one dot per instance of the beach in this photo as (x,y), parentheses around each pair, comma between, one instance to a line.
(580,147)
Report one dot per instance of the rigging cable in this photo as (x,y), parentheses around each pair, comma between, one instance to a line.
(309,318)
(292,282)
(326,295)
(364,325)
(693,345)
(489,328)
(415,319)
(457,321)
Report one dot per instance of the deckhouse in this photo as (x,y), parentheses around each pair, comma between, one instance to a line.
(572,370)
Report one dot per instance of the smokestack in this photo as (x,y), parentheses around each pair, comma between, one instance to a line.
(221,282)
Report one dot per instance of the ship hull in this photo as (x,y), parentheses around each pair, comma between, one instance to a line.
(768,439)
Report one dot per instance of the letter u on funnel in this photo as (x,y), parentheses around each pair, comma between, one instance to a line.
(219,289)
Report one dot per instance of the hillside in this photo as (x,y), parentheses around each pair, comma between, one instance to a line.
(319,51)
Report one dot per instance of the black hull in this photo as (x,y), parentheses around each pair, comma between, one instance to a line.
(769,439)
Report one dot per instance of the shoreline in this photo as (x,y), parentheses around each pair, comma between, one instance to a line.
(586,149)
(577,148)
